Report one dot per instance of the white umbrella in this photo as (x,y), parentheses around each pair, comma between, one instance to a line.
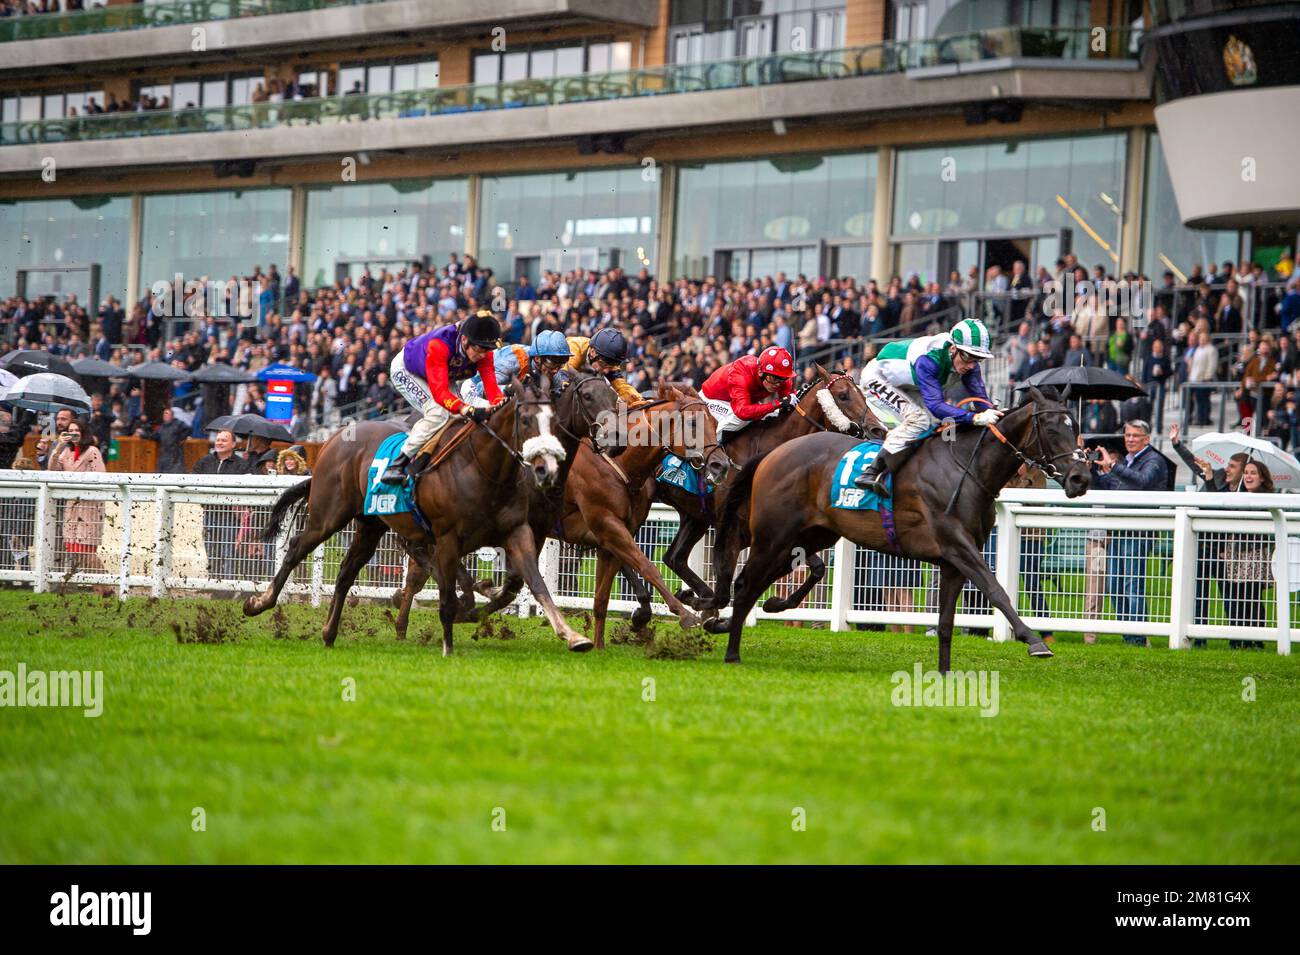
(7,381)
(46,392)
(1217,447)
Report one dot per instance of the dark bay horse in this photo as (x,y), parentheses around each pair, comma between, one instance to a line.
(790,508)
(477,497)
(829,402)
(605,503)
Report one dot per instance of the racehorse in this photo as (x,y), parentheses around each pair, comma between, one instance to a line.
(473,499)
(606,502)
(829,402)
(943,510)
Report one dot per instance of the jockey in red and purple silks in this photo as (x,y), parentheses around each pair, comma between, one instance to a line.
(425,371)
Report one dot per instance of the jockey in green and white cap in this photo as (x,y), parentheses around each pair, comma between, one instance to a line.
(907,379)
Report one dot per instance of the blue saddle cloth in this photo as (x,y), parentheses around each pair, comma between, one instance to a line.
(856,460)
(676,472)
(384,499)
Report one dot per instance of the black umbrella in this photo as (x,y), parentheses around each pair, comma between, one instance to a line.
(250,426)
(1085,382)
(158,371)
(220,373)
(25,362)
(95,368)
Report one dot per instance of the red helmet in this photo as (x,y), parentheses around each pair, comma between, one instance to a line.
(776,361)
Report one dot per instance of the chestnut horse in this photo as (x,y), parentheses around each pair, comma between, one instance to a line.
(475,498)
(829,402)
(605,503)
(943,510)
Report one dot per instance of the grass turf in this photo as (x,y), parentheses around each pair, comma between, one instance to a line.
(246,720)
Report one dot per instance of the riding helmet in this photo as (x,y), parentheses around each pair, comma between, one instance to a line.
(481,330)
(610,345)
(971,336)
(776,361)
(551,344)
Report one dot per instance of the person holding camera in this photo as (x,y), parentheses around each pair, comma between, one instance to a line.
(82,520)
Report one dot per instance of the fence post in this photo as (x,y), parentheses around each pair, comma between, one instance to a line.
(317,574)
(42,539)
(163,528)
(1282,582)
(1006,565)
(1182,587)
(842,563)
(548,562)
(124,563)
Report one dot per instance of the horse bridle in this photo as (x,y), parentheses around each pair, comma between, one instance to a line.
(1046,465)
(595,425)
(859,427)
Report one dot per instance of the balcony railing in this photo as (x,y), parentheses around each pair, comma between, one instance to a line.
(881,58)
(139,16)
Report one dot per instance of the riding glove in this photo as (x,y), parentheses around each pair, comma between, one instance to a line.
(987,417)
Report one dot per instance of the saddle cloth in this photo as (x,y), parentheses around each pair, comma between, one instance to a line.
(382,499)
(677,473)
(856,460)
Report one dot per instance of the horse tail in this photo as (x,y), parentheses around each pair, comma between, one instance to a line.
(294,498)
(739,491)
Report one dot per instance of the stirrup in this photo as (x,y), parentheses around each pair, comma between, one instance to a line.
(396,472)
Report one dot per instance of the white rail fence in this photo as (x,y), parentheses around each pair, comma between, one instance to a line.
(1171,567)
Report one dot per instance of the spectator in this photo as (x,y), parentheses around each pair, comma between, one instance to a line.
(1142,469)
(1119,348)
(1247,564)
(221,522)
(171,436)
(1202,361)
(293,461)
(82,520)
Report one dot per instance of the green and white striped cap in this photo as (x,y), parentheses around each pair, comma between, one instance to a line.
(972,337)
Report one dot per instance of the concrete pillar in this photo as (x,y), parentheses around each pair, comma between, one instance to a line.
(883,216)
(1135,164)
(472,214)
(297,227)
(666,222)
(865,22)
(133,246)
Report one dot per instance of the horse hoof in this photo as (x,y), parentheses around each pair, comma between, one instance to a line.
(251,609)
(446,650)
(719,625)
(1040,650)
(774,605)
(735,659)
(689,620)
(329,639)
(580,645)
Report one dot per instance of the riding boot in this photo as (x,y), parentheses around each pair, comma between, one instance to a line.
(873,478)
(418,464)
(396,472)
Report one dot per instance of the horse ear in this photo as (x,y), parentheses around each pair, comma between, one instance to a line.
(1049,392)
(821,372)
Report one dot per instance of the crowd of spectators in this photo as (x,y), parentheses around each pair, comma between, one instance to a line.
(31,8)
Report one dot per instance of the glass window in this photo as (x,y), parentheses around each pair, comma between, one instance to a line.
(542,64)
(10,109)
(404,77)
(487,68)
(383,221)
(217,234)
(514,66)
(573,218)
(352,79)
(1015,188)
(1167,244)
(185,94)
(620,56)
(42,233)
(427,75)
(379,79)
(53,106)
(598,58)
(29,108)
(568,61)
(241,89)
(789,200)
(214,93)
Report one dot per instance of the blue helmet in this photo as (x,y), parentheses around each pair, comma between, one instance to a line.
(610,345)
(551,344)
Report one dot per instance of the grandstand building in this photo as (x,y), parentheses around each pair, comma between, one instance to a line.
(688,137)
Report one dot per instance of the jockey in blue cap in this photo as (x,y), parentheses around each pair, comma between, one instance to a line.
(549,352)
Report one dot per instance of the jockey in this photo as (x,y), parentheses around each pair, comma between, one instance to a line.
(908,378)
(549,352)
(749,388)
(605,352)
(424,371)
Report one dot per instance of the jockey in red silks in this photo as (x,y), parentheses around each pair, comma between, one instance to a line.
(749,388)
(425,370)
